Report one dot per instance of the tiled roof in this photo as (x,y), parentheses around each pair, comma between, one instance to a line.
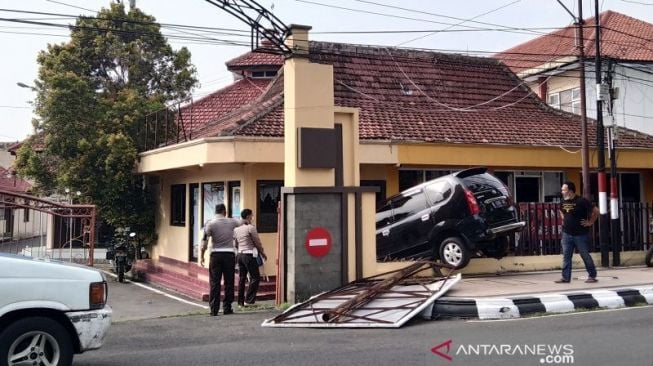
(622,38)
(37,142)
(255,59)
(218,104)
(10,182)
(408,95)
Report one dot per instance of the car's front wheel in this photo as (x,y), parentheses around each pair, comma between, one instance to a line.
(454,253)
(35,341)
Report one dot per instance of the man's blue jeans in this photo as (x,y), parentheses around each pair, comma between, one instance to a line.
(582,243)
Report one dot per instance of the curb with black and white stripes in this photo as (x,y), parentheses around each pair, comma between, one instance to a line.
(519,306)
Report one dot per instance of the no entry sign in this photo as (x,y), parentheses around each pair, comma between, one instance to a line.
(318,242)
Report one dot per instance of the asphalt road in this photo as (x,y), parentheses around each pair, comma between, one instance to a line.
(617,337)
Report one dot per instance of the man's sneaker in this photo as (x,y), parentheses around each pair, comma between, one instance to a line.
(228,311)
(591,280)
(562,280)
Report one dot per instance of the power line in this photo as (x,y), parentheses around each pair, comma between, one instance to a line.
(462,21)
(14,107)
(69,5)
(132,32)
(71,16)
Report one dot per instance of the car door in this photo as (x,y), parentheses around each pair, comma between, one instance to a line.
(384,221)
(412,224)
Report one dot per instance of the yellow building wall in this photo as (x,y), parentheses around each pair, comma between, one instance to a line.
(173,240)
(308,102)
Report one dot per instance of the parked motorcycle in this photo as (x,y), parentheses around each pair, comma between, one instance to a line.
(649,254)
(122,253)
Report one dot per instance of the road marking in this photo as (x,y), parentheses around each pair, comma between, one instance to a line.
(157,291)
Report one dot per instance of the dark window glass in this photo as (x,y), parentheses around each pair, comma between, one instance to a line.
(483,182)
(438,191)
(178,205)
(405,206)
(410,178)
(26,215)
(630,189)
(432,174)
(269,195)
(384,215)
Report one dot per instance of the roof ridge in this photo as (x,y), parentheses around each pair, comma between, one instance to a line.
(242,110)
(352,48)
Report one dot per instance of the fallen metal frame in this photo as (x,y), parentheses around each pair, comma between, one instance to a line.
(385,300)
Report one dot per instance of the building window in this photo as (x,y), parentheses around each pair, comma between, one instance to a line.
(26,215)
(567,100)
(178,205)
(263,74)
(411,177)
(213,195)
(554,100)
(269,195)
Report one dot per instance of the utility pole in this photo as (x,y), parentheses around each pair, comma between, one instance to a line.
(600,146)
(585,160)
(613,136)
(580,45)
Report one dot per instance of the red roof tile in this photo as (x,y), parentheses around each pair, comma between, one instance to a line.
(218,104)
(255,60)
(409,95)
(622,38)
(37,141)
(10,182)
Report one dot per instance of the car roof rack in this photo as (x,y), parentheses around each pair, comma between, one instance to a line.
(471,171)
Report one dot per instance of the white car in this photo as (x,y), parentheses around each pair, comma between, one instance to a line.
(50,311)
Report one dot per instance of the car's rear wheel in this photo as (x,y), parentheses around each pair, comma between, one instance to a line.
(35,341)
(454,253)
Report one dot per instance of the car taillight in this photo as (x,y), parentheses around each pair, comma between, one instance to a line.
(471,203)
(98,295)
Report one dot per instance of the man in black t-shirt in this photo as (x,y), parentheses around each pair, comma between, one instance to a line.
(578,216)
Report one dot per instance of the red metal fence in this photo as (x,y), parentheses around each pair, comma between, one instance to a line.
(543,230)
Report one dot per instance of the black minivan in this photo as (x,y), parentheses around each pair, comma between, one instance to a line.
(451,218)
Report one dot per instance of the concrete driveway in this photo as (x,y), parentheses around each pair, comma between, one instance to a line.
(133,300)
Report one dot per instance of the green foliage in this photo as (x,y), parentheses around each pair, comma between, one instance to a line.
(94,92)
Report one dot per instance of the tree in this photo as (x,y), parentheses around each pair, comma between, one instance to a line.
(93,93)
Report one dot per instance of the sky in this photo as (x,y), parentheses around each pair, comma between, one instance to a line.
(21,43)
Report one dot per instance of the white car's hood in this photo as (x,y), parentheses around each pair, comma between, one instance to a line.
(14,266)
(27,283)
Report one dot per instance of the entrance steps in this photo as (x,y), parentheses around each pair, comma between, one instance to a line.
(192,280)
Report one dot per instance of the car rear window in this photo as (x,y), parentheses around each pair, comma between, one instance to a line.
(484,182)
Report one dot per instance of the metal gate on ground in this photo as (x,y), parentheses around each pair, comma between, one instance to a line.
(42,228)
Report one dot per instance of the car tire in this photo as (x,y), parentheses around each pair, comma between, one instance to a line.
(454,253)
(39,339)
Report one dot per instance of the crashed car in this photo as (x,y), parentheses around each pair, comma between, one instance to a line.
(451,218)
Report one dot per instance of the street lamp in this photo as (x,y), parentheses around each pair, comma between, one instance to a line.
(23,85)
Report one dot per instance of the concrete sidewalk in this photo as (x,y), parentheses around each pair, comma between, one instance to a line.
(513,295)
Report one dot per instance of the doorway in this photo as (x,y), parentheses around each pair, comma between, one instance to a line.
(194,236)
